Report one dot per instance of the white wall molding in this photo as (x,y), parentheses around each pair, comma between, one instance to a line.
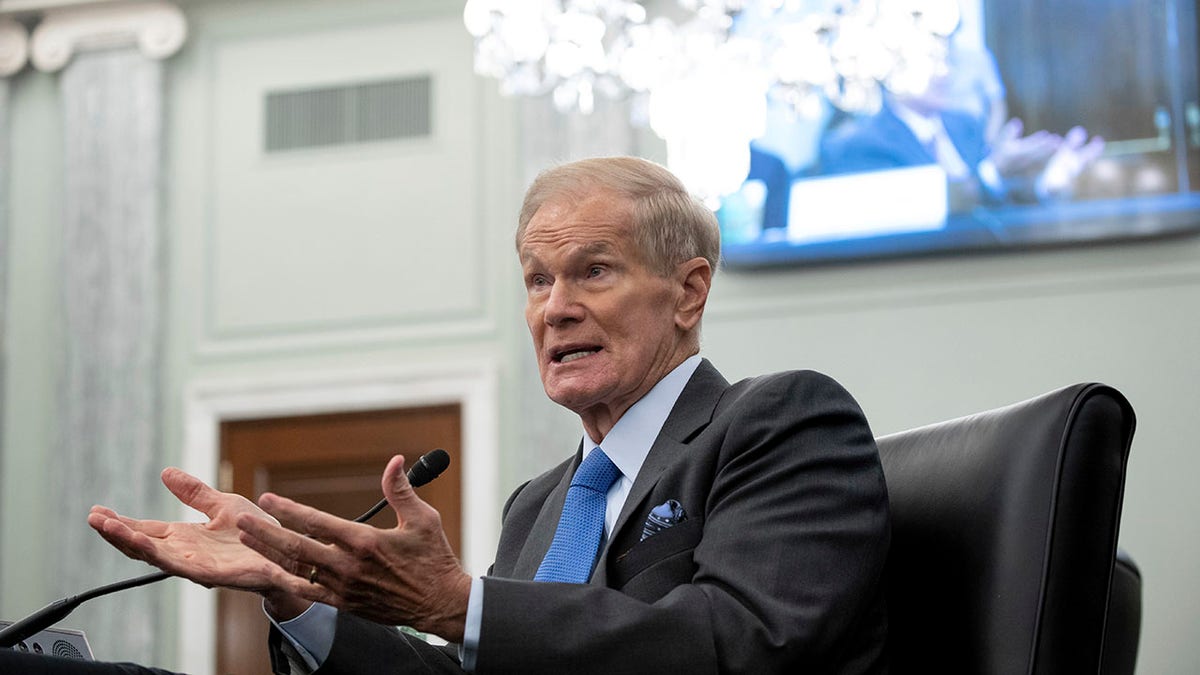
(157,28)
(37,6)
(14,47)
(207,403)
(743,295)
(395,331)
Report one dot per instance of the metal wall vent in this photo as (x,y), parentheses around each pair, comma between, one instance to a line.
(356,113)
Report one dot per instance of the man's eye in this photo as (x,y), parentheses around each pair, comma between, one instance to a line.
(595,271)
(537,280)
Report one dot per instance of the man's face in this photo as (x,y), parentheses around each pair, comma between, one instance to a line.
(603,324)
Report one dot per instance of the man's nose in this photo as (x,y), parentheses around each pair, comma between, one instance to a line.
(563,305)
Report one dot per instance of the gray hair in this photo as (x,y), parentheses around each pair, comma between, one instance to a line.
(670,225)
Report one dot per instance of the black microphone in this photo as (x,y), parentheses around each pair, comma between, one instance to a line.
(429,466)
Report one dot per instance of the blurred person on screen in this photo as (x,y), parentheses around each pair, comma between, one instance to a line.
(956,123)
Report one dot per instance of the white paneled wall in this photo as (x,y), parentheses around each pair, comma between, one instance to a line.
(350,243)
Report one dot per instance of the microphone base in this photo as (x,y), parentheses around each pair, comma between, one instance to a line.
(56,642)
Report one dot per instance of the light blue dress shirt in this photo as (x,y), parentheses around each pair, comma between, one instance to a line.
(627,445)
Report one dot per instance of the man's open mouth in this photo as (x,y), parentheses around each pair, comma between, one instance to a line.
(569,355)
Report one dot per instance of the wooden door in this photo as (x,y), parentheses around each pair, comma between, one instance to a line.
(333,462)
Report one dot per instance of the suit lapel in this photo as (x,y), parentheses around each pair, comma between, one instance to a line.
(691,413)
(542,532)
(900,136)
(966,138)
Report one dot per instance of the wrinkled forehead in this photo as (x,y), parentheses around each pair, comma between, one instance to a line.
(599,223)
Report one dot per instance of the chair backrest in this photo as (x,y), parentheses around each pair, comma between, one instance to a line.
(1124,626)
(1004,532)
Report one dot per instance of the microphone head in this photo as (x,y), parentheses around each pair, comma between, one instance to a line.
(430,466)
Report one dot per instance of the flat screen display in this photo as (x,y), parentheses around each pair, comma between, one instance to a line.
(1053,122)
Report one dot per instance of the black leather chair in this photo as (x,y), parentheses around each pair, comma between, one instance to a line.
(1004,537)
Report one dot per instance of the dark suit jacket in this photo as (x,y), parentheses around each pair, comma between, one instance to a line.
(774,174)
(884,141)
(777,567)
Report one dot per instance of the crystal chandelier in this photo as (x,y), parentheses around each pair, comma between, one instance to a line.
(704,71)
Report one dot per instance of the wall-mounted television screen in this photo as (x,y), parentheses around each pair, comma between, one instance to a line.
(1053,121)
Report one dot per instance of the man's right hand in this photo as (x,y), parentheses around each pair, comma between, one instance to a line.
(1016,156)
(206,553)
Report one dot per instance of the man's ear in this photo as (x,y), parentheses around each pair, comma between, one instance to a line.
(695,278)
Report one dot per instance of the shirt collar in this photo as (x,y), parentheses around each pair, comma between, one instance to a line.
(629,441)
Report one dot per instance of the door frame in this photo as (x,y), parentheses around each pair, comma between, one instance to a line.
(208,402)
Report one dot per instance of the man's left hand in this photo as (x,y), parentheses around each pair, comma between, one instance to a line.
(407,575)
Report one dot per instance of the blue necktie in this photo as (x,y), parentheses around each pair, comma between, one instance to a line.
(577,539)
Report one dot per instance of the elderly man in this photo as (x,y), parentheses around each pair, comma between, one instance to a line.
(700,527)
